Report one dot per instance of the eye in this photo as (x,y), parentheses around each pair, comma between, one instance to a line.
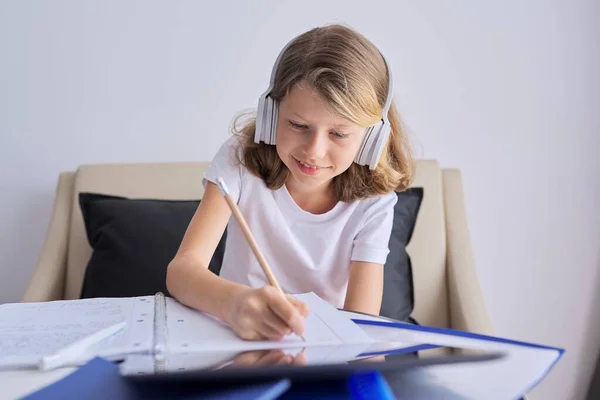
(340,135)
(296,125)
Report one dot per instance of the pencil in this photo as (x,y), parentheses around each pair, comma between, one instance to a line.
(72,352)
(242,221)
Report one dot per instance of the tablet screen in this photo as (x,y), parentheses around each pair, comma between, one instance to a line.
(296,363)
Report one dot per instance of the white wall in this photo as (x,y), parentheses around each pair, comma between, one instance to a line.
(507,92)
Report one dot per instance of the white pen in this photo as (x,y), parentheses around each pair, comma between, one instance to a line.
(74,350)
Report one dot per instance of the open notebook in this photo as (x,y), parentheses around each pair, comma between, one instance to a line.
(155,324)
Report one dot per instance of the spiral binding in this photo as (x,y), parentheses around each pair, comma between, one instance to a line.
(160,332)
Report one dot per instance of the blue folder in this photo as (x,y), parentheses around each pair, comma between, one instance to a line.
(100,379)
(470,335)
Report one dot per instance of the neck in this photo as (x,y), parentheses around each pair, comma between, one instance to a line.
(317,200)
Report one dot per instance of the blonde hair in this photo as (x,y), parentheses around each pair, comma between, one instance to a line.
(348,71)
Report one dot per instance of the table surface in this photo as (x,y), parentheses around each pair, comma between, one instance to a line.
(438,382)
(19,383)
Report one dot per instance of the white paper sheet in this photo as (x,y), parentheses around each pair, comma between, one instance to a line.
(196,340)
(191,331)
(29,331)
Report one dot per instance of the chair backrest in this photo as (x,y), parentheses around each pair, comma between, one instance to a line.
(427,248)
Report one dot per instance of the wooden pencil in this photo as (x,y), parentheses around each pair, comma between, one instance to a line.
(249,236)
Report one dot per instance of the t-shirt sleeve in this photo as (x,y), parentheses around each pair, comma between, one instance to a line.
(226,165)
(372,240)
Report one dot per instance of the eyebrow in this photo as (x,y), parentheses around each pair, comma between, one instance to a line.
(298,116)
(342,125)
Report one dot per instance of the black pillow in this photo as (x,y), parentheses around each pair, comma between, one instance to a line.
(133,241)
(398,292)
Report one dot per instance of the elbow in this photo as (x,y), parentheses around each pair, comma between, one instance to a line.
(173,277)
(182,274)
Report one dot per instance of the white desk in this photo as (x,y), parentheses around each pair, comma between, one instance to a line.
(521,367)
(17,384)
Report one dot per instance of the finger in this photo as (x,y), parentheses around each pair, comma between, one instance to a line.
(275,322)
(250,357)
(253,322)
(284,309)
(287,360)
(300,306)
(300,359)
(246,328)
(248,334)
(268,332)
(272,357)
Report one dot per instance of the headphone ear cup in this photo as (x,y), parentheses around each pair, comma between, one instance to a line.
(361,155)
(369,144)
(372,142)
(372,145)
(268,124)
(378,144)
(259,131)
(274,121)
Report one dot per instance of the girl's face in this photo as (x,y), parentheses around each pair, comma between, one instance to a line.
(314,143)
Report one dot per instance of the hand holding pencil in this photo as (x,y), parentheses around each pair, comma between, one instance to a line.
(266,312)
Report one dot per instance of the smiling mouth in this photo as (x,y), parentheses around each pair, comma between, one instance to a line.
(307,165)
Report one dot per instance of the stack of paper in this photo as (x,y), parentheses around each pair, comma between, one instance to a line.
(29,331)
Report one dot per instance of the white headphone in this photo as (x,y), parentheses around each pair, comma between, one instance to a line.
(375,137)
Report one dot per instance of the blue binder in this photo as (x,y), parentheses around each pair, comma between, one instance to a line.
(469,335)
(100,379)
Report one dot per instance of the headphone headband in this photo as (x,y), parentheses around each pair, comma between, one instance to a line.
(278,60)
(390,92)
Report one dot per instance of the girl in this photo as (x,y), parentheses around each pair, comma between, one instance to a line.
(315,188)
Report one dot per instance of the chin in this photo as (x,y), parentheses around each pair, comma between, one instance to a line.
(310,182)
(320,179)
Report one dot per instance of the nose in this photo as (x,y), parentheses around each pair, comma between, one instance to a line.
(316,147)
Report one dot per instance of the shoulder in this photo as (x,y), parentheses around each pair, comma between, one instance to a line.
(373,234)
(377,211)
(229,152)
(227,164)
(379,203)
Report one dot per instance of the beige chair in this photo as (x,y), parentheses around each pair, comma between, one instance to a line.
(447,290)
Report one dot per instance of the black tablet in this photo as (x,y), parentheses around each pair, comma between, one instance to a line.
(319,362)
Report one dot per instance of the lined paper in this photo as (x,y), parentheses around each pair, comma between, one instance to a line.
(191,331)
(29,331)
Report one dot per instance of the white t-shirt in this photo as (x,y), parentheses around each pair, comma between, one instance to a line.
(306,252)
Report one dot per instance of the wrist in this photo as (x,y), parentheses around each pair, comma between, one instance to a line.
(227,305)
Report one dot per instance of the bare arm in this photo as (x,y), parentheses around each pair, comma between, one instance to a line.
(365,291)
(365,288)
(188,276)
(252,313)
